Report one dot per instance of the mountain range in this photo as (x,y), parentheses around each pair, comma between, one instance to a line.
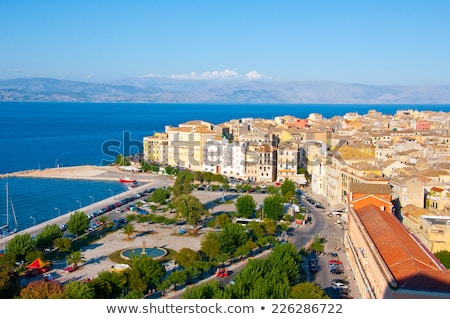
(167,90)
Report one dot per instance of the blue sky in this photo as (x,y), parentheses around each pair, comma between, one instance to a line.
(372,41)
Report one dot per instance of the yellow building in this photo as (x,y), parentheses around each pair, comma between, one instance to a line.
(156,148)
(185,147)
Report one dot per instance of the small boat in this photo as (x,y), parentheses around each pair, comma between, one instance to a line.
(127,179)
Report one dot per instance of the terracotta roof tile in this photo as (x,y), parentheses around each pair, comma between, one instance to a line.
(412,265)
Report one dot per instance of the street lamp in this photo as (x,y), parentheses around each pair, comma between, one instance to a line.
(92,197)
(79,202)
(111,192)
(59,211)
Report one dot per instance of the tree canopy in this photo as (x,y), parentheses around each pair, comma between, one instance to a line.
(183,183)
(20,245)
(273,207)
(190,208)
(245,206)
(78,223)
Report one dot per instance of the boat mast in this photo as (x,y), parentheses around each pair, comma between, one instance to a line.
(7,206)
(14,215)
(7,210)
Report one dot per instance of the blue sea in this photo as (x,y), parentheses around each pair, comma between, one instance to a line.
(47,135)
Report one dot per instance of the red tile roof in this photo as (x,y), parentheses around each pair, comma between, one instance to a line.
(413,266)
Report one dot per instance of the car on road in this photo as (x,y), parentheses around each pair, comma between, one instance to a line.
(334,262)
(339,285)
(221,272)
(339,280)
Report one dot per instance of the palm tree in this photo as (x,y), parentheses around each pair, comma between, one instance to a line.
(128,230)
(75,258)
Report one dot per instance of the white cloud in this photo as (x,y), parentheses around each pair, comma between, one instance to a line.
(226,74)
(208,75)
(150,75)
(254,75)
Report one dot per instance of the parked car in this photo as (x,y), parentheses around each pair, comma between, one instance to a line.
(339,285)
(339,280)
(334,261)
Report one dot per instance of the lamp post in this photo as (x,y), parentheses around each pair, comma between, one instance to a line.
(92,198)
(59,211)
(34,225)
(112,194)
(79,202)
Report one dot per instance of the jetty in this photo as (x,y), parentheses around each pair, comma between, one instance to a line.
(86,172)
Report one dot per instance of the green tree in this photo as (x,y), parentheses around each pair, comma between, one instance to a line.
(159,196)
(9,283)
(222,220)
(232,237)
(145,270)
(102,288)
(183,183)
(20,245)
(273,207)
(75,258)
(79,290)
(186,257)
(210,245)
(78,223)
(307,290)
(7,260)
(128,230)
(287,186)
(62,244)
(177,277)
(172,171)
(207,176)
(273,190)
(122,160)
(444,257)
(190,208)
(288,190)
(198,176)
(117,282)
(245,206)
(287,256)
(209,290)
(45,238)
(42,290)
(134,294)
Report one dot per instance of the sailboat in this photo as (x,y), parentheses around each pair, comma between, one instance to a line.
(5,229)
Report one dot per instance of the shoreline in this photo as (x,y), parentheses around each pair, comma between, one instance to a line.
(85,172)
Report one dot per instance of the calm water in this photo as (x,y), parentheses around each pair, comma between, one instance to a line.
(44,135)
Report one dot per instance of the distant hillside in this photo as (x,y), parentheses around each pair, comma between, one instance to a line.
(164,90)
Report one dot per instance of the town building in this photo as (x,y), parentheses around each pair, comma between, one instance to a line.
(387,261)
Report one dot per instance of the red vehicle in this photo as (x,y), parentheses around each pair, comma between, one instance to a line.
(221,272)
(69,269)
(334,261)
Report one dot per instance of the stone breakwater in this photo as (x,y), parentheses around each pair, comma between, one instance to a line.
(87,172)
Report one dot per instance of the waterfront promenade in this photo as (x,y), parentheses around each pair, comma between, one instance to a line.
(88,172)
(96,254)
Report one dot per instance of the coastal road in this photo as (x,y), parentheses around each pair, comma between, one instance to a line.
(145,181)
